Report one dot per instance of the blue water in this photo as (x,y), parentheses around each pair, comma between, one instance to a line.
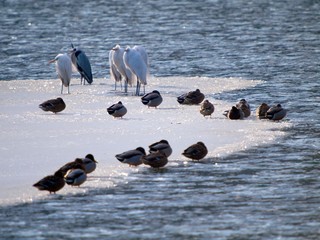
(269,192)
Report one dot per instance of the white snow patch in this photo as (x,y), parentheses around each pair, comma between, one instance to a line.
(36,143)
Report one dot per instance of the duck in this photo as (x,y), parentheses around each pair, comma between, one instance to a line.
(132,157)
(51,183)
(244,106)
(53,105)
(76,164)
(152,99)
(234,113)
(276,113)
(88,162)
(162,146)
(117,110)
(191,98)
(155,159)
(206,108)
(75,177)
(196,151)
(262,110)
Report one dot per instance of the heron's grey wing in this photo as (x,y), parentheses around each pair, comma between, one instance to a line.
(85,66)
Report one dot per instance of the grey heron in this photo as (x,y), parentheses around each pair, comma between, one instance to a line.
(82,64)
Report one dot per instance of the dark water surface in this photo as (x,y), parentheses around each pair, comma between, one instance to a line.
(271,192)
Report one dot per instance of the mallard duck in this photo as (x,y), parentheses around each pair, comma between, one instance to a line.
(206,108)
(155,159)
(152,99)
(244,106)
(51,183)
(89,163)
(190,98)
(161,146)
(276,112)
(53,105)
(262,110)
(75,177)
(196,151)
(234,113)
(117,110)
(132,157)
(77,163)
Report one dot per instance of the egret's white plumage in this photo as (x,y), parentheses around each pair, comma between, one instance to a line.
(81,62)
(114,73)
(134,61)
(118,62)
(64,69)
(144,55)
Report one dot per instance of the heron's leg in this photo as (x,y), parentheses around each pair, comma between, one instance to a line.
(126,85)
(68,90)
(137,88)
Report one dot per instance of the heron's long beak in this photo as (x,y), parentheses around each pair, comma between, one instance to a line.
(51,61)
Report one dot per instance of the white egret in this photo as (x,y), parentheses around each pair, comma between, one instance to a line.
(64,69)
(134,61)
(117,60)
(82,64)
(144,55)
(114,73)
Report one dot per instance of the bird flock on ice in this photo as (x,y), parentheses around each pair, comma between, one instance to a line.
(131,66)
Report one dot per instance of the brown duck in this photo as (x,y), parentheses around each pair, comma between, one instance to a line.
(53,105)
(244,106)
(196,151)
(155,159)
(51,183)
(262,110)
(206,108)
(191,98)
(234,113)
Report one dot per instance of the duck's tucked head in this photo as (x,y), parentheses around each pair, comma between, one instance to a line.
(59,174)
(164,141)
(90,156)
(141,149)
